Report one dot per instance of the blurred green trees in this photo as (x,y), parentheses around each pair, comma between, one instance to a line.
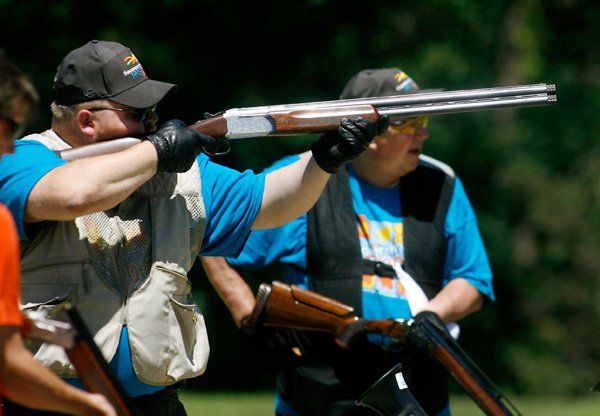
(533,175)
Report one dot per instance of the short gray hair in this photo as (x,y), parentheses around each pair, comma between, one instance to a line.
(61,113)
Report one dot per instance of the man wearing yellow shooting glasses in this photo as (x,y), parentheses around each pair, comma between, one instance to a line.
(394,236)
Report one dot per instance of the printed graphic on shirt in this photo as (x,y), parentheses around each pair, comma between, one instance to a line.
(382,241)
(384,297)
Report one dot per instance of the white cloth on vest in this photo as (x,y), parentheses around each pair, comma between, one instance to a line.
(417,299)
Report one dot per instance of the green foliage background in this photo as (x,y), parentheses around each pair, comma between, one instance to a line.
(532,174)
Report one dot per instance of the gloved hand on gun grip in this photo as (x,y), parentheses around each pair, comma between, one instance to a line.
(177,145)
(417,337)
(334,149)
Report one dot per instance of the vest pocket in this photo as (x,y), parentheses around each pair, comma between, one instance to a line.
(167,333)
(54,305)
(51,283)
(52,356)
(47,284)
(187,320)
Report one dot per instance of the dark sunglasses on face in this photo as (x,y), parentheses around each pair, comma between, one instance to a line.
(15,129)
(140,113)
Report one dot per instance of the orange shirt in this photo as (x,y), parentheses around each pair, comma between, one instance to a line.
(9,271)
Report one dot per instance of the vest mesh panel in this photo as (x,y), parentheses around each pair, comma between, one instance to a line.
(121,233)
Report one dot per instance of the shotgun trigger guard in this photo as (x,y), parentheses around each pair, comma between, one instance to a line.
(220,148)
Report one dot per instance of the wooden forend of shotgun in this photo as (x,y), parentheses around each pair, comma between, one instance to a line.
(92,368)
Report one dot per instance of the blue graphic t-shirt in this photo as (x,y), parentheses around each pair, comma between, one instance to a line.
(380,228)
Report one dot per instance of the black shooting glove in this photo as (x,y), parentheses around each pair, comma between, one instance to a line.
(334,149)
(177,146)
(417,334)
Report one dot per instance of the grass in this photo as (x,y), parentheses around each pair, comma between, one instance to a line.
(261,404)
(535,406)
(227,404)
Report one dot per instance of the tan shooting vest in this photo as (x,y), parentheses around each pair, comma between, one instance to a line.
(126,266)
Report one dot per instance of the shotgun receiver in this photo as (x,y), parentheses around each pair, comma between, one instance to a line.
(92,368)
(289,306)
(321,116)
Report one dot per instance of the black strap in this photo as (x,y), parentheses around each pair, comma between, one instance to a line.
(379,268)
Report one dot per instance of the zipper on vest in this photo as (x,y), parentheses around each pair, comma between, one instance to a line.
(86,277)
(123,285)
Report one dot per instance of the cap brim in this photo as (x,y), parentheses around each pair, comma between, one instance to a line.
(146,94)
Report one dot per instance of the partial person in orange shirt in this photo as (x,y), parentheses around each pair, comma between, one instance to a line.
(22,379)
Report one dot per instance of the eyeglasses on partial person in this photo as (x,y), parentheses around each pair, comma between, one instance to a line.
(409,125)
(15,129)
(140,113)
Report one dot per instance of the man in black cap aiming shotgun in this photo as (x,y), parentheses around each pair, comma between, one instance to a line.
(115,235)
(394,236)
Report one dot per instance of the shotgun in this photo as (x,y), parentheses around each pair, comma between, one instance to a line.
(322,116)
(92,368)
(289,306)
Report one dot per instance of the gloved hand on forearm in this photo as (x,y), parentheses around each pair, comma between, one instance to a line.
(177,146)
(333,150)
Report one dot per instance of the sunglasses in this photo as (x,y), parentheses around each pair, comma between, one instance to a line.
(140,113)
(15,129)
(409,125)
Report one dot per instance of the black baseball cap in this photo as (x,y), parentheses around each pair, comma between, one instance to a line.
(106,70)
(379,83)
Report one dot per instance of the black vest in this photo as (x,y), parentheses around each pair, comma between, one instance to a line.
(333,256)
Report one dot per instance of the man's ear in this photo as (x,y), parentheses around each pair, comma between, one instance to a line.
(85,122)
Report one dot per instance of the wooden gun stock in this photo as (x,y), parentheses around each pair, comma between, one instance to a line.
(92,368)
(284,306)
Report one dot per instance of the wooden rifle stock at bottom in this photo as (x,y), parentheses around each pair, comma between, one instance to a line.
(285,306)
(289,306)
(92,368)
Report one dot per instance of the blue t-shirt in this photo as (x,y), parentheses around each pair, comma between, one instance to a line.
(232,200)
(380,229)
